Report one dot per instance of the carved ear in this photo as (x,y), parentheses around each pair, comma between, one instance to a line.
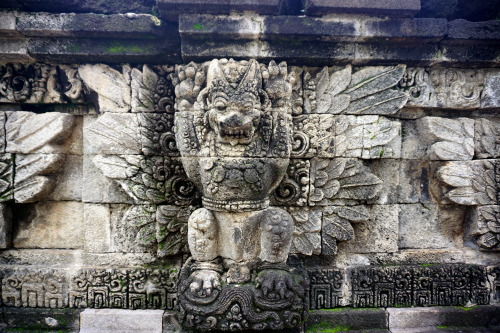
(215,72)
(252,76)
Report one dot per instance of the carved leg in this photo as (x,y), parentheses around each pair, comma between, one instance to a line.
(276,235)
(202,240)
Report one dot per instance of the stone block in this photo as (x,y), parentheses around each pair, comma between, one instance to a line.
(85,6)
(15,50)
(422,29)
(430,226)
(133,228)
(56,258)
(88,25)
(111,133)
(409,53)
(99,188)
(8,25)
(6,177)
(347,319)
(388,171)
(453,51)
(414,182)
(29,132)
(442,317)
(34,320)
(118,320)
(49,225)
(379,233)
(170,9)
(490,97)
(475,31)
(391,7)
(5,226)
(69,180)
(307,230)
(171,323)
(97,227)
(105,50)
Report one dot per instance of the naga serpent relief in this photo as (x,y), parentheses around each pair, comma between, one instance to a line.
(233,129)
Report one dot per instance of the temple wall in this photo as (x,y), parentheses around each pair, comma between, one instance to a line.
(394,175)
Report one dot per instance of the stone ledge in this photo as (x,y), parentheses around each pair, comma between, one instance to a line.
(370,7)
(88,25)
(443,317)
(118,321)
(81,6)
(474,31)
(170,9)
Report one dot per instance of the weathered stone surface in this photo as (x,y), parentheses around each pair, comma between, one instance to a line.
(5,226)
(391,7)
(325,288)
(133,228)
(85,6)
(347,319)
(111,133)
(367,137)
(470,182)
(69,180)
(48,225)
(424,29)
(105,50)
(88,25)
(484,227)
(341,180)
(6,177)
(171,229)
(97,227)
(171,322)
(487,138)
(8,25)
(98,188)
(490,97)
(307,230)
(15,50)
(430,226)
(388,171)
(28,132)
(34,177)
(111,86)
(118,320)
(376,231)
(441,317)
(476,31)
(171,9)
(32,319)
(414,181)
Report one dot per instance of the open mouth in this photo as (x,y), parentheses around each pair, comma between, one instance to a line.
(241,132)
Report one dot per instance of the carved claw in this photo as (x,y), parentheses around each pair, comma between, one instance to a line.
(275,284)
(204,282)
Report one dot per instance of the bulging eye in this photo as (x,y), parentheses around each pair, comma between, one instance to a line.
(248,106)
(220,105)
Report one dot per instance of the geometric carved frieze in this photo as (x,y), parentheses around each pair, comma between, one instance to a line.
(124,288)
(325,288)
(433,285)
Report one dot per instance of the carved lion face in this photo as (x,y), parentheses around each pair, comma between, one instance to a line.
(234,119)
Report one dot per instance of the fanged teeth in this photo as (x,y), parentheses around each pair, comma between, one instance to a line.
(235,132)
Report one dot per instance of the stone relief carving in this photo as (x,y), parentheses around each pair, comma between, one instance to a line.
(152,92)
(6,177)
(487,138)
(471,182)
(443,87)
(485,226)
(342,91)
